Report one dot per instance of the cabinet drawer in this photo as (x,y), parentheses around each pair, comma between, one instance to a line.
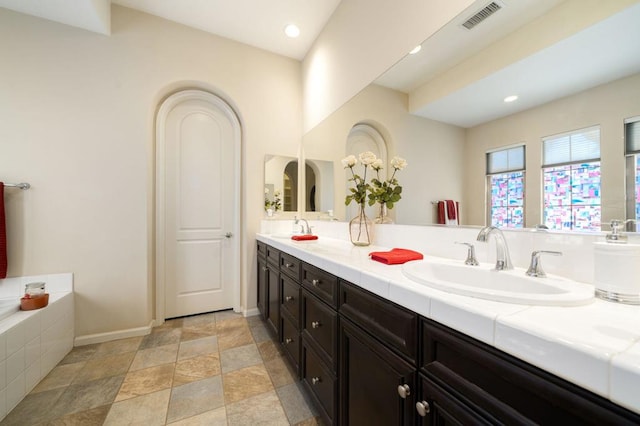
(320,324)
(290,294)
(322,284)
(290,341)
(321,383)
(273,256)
(261,248)
(391,323)
(290,266)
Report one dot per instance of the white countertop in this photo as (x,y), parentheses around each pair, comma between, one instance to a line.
(595,346)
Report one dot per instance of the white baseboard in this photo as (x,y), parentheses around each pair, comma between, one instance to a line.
(251,312)
(112,335)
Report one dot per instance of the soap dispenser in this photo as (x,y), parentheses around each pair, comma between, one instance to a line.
(617,267)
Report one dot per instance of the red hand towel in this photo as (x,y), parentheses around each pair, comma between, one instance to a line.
(304,237)
(441,219)
(451,209)
(3,236)
(395,256)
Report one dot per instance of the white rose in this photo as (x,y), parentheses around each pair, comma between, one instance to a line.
(398,163)
(277,193)
(349,161)
(266,190)
(367,158)
(377,165)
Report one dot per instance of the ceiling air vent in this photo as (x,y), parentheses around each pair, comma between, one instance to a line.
(483,14)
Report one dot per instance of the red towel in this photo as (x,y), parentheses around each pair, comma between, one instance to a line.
(451,209)
(395,256)
(3,236)
(304,237)
(441,219)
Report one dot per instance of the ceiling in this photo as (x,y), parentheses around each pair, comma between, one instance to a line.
(601,53)
(258,23)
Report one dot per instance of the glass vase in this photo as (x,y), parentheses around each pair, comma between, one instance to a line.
(382,217)
(361,229)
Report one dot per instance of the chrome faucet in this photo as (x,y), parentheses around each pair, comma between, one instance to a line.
(305,229)
(535,268)
(503,261)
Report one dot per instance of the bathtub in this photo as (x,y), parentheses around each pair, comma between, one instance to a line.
(33,342)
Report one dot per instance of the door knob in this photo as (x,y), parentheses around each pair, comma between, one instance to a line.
(404,391)
(228,235)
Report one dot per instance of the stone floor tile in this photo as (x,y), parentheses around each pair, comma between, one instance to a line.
(279,371)
(245,383)
(151,357)
(227,314)
(85,396)
(231,324)
(217,417)
(147,380)
(235,337)
(170,323)
(120,346)
(239,357)
(80,353)
(295,405)
(204,346)
(195,398)
(199,321)
(36,407)
(260,333)
(92,417)
(169,336)
(148,410)
(60,376)
(313,421)
(269,350)
(196,333)
(196,368)
(107,366)
(262,409)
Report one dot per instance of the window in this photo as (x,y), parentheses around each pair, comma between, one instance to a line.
(505,183)
(571,180)
(632,151)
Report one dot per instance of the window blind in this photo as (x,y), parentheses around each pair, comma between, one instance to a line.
(632,136)
(574,147)
(505,160)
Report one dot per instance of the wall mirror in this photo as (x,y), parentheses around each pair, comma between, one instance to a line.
(442,109)
(319,186)
(281,180)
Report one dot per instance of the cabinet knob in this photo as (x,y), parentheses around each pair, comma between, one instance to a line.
(423,408)
(315,324)
(288,265)
(404,391)
(288,340)
(288,298)
(315,380)
(315,282)
(265,269)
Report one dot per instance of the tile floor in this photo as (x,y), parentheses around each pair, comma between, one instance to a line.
(210,369)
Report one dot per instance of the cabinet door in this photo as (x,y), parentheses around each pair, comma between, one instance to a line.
(273,298)
(263,277)
(377,387)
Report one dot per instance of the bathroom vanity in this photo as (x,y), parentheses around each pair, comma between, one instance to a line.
(365,344)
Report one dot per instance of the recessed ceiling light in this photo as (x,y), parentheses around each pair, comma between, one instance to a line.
(511,98)
(292,30)
(415,50)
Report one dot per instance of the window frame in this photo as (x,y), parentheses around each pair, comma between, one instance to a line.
(490,173)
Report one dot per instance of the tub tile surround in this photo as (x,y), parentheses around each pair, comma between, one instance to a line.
(596,346)
(33,342)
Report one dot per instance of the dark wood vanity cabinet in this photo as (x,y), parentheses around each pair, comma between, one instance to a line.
(367,361)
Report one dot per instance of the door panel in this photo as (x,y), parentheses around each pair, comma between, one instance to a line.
(200,265)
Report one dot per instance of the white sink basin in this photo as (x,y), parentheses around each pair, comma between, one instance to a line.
(503,286)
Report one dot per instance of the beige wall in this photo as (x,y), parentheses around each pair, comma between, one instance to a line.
(433,150)
(77,122)
(341,63)
(606,105)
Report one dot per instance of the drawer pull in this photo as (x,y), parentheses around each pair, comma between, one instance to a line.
(288,298)
(288,340)
(315,283)
(423,408)
(315,324)
(315,380)
(288,265)
(265,269)
(404,391)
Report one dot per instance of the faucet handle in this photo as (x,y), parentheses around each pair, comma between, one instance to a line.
(535,267)
(471,254)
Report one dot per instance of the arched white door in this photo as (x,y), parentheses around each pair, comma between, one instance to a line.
(197,205)
(364,137)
